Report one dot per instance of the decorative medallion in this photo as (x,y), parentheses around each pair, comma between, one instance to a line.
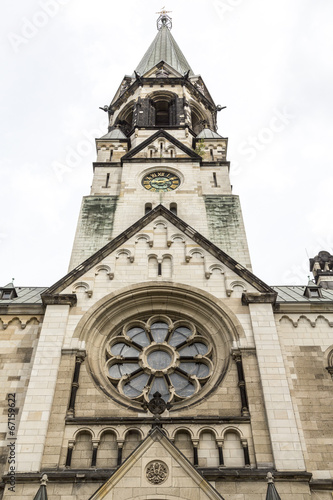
(157,472)
(160,181)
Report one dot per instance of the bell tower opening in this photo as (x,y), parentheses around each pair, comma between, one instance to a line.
(162,116)
(163,105)
(125,118)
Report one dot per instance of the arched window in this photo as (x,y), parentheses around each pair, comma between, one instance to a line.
(173,208)
(233,450)
(166,270)
(125,118)
(184,444)
(132,441)
(208,452)
(152,267)
(196,122)
(82,453)
(148,208)
(162,117)
(107,451)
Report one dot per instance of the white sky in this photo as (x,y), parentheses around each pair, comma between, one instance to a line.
(260,58)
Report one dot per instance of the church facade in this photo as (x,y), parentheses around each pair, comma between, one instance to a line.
(160,367)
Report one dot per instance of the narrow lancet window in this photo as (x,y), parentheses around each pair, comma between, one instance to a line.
(148,208)
(173,208)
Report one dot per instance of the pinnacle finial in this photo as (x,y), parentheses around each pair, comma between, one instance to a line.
(44,480)
(164,19)
(270,478)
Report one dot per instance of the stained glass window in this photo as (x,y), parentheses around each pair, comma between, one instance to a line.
(163,356)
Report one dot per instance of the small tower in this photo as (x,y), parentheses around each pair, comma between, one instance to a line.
(321,267)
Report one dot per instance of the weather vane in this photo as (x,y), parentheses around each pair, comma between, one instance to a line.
(164,19)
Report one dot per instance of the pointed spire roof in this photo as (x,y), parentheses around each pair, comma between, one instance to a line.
(164,48)
(42,493)
(271,494)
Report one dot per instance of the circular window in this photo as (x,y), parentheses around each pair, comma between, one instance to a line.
(159,355)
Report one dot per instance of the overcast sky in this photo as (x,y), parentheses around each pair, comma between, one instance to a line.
(268,61)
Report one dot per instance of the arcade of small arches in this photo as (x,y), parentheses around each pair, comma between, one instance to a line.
(203,447)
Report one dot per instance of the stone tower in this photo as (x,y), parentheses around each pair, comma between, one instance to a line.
(162,120)
(160,367)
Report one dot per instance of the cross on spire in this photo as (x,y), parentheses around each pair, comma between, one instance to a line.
(164,19)
(164,12)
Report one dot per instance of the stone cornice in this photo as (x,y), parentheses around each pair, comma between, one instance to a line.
(150,421)
(211,474)
(258,298)
(56,299)
(22,309)
(303,307)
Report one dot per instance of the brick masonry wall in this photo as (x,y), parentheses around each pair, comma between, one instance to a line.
(17,350)
(311,387)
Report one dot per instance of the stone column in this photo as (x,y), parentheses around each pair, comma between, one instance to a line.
(95,444)
(69,454)
(120,444)
(37,407)
(246,453)
(75,385)
(195,444)
(285,440)
(220,443)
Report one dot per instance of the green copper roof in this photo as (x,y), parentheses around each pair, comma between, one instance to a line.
(164,48)
(114,134)
(207,133)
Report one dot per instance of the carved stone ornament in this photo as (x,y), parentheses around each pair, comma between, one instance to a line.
(157,405)
(157,472)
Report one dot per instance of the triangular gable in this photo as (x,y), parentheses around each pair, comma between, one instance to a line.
(162,133)
(158,211)
(162,64)
(178,477)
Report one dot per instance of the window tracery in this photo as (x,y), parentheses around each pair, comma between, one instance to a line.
(159,355)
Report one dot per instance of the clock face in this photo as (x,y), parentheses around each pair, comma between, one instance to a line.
(160,181)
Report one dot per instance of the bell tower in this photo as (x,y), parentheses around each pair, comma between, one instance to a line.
(160,366)
(162,147)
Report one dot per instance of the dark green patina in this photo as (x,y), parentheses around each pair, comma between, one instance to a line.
(97,216)
(224,220)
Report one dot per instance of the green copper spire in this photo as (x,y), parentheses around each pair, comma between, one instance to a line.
(164,48)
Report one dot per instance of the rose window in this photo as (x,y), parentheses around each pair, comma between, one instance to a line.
(159,355)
